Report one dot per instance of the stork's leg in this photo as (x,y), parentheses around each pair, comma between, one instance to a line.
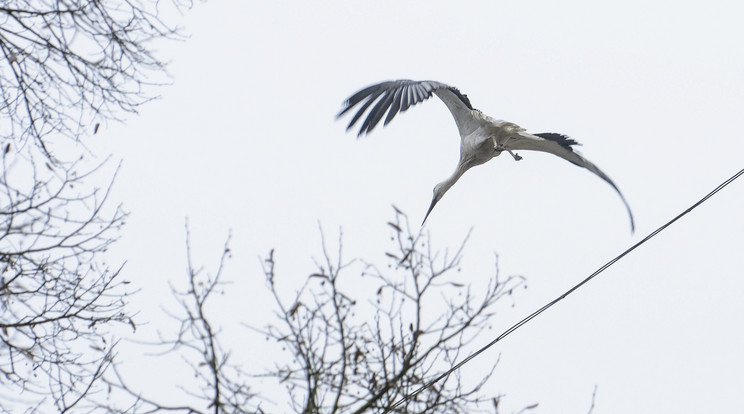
(516,156)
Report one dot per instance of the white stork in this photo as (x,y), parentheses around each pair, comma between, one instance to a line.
(481,137)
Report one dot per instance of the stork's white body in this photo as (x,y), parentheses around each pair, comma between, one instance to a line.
(481,136)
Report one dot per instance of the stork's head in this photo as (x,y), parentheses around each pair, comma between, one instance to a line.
(445,185)
(439,191)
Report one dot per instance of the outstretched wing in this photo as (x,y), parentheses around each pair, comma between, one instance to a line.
(562,146)
(398,95)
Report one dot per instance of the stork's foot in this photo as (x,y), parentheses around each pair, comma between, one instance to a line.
(516,156)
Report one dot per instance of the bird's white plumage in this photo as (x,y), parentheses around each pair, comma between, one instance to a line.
(463,115)
(481,136)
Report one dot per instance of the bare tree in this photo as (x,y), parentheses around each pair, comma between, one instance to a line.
(220,384)
(66,65)
(55,289)
(347,351)
(423,318)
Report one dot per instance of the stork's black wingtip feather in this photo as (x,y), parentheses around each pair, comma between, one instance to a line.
(561,139)
(390,98)
(630,213)
(345,106)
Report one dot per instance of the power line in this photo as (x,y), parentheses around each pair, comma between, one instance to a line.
(568,292)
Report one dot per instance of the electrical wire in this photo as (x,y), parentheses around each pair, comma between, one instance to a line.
(568,292)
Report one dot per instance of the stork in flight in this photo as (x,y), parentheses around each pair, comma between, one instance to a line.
(481,137)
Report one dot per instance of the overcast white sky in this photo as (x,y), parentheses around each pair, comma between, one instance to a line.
(245,139)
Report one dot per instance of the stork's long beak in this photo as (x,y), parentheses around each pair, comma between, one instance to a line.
(431,207)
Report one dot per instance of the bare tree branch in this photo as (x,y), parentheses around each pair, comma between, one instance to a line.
(55,290)
(221,384)
(342,363)
(67,65)
(594,396)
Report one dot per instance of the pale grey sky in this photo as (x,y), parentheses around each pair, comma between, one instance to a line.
(245,139)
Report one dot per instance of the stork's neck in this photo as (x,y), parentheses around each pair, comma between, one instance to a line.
(452,179)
